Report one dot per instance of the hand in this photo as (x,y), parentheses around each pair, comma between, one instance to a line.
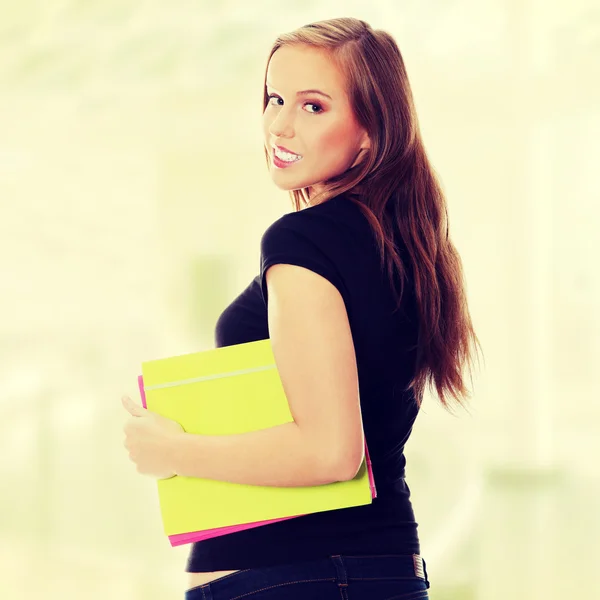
(149,438)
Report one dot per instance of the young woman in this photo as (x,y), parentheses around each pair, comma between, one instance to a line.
(361,292)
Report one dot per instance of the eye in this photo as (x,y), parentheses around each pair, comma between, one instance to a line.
(272,96)
(319,107)
(313,104)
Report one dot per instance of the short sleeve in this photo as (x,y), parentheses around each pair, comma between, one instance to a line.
(291,243)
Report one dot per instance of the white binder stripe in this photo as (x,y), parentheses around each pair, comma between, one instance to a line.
(159,386)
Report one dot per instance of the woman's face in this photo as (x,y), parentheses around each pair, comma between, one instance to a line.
(320,127)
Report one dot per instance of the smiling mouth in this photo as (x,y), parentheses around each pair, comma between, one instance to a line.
(285,156)
(282,163)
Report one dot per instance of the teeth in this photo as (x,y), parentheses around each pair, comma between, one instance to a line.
(286,156)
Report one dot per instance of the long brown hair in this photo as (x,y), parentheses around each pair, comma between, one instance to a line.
(396,188)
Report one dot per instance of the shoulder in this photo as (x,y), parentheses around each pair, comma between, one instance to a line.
(327,225)
(312,238)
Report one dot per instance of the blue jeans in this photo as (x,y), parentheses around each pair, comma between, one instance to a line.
(381,577)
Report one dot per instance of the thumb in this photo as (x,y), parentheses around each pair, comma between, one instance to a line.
(132,408)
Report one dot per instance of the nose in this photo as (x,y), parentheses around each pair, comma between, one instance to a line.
(282,124)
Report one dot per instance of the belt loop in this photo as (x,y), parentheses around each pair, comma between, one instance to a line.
(206,593)
(342,576)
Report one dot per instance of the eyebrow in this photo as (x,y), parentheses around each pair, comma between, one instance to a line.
(306,92)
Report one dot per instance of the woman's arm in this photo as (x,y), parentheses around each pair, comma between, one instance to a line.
(277,456)
(314,353)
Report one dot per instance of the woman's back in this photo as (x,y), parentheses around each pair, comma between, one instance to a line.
(334,240)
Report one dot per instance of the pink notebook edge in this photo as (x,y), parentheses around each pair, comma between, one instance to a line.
(196,536)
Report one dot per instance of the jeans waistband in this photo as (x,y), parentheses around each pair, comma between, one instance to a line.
(340,568)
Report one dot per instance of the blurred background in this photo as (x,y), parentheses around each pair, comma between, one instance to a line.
(133,195)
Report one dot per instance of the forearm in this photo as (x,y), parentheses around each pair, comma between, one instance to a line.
(278,456)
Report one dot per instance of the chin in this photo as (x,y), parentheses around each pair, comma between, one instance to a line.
(283,187)
(288,186)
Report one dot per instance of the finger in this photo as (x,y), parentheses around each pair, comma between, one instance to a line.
(132,408)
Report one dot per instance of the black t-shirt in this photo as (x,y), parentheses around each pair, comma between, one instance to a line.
(335,240)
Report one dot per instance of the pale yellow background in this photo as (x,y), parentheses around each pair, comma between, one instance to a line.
(133,194)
